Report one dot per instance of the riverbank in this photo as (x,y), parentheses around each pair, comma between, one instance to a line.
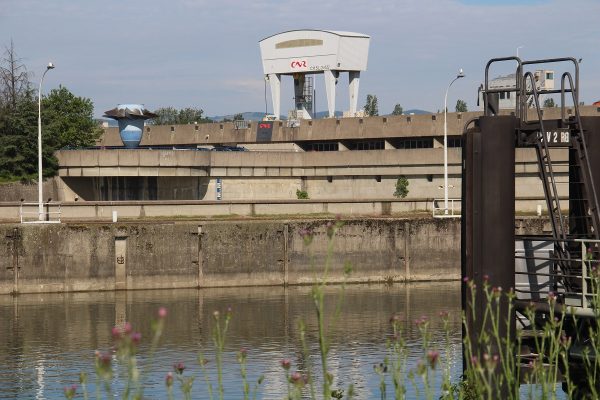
(167,254)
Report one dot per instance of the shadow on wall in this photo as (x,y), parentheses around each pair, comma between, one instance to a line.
(115,188)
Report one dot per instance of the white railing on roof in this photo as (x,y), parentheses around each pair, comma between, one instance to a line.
(30,213)
(453,211)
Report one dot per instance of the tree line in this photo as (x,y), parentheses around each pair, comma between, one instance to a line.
(67,121)
(372,107)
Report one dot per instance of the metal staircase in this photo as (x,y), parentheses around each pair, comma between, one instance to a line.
(582,222)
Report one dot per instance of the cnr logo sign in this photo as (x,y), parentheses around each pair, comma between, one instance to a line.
(299,64)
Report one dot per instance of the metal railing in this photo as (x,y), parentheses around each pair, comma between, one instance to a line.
(29,213)
(538,273)
(241,124)
(453,211)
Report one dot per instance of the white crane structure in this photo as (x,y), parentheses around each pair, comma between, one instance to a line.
(303,52)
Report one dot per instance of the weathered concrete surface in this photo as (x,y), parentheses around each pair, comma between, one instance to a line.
(83,257)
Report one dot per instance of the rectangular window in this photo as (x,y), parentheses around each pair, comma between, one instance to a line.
(323,146)
(549,75)
(416,143)
(369,145)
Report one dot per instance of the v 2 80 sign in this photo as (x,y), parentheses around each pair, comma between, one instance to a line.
(560,137)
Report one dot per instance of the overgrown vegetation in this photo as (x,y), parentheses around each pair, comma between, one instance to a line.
(301,194)
(67,121)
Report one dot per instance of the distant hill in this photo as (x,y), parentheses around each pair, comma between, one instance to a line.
(416,112)
(248,116)
(258,116)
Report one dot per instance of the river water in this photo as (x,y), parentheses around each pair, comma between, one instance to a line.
(46,340)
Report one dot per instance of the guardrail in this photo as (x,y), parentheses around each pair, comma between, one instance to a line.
(538,276)
(46,216)
(439,210)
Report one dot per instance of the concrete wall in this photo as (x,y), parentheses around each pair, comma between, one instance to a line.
(80,257)
(321,129)
(252,176)
(16,191)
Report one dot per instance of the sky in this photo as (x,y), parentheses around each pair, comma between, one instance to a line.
(205,53)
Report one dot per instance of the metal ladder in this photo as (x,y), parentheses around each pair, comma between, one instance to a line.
(585,219)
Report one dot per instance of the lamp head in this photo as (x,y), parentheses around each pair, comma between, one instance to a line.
(460,74)
(50,66)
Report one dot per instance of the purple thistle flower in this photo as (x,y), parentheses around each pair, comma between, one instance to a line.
(179,367)
(169,379)
(162,312)
(285,363)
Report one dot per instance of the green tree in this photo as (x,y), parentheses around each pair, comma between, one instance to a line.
(18,140)
(371,107)
(68,120)
(549,102)
(461,106)
(238,117)
(397,110)
(401,187)
(173,116)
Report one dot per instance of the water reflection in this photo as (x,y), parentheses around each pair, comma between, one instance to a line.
(48,339)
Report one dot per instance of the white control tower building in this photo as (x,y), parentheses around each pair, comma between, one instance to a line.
(304,52)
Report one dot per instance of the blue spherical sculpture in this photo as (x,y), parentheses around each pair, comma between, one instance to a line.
(131,119)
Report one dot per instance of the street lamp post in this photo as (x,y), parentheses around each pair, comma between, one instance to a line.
(40,182)
(458,76)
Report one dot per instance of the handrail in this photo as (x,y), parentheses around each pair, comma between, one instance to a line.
(455,212)
(46,213)
(551,279)
(574,93)
(548,160)
(518,83)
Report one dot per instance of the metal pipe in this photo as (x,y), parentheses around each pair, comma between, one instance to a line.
(458,76)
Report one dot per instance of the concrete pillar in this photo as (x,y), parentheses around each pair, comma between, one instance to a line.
(388,145)
(353,81)
(275,82)
(330,82)
(342,146)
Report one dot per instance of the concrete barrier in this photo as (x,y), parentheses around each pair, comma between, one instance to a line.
(142,210)
(92,257)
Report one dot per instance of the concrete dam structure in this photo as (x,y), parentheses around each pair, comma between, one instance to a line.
(331,159)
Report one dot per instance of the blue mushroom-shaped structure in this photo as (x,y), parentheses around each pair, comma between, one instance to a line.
(131,119)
